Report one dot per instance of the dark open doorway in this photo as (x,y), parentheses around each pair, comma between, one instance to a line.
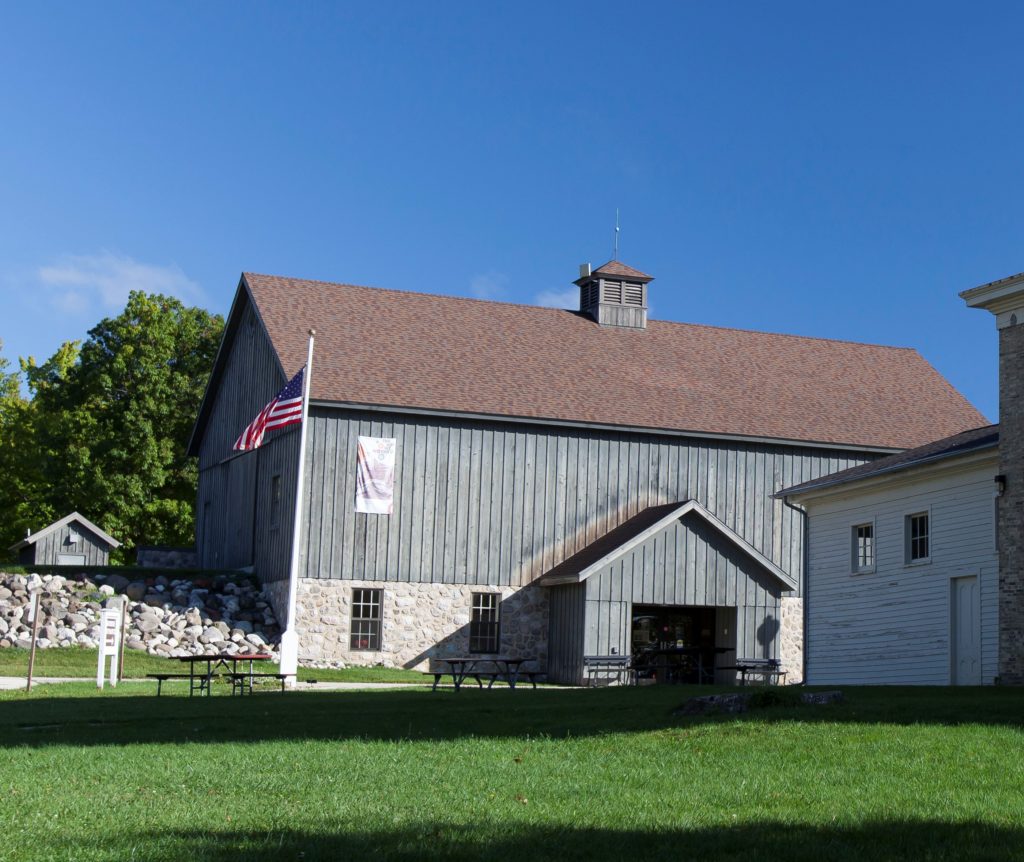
(682,644)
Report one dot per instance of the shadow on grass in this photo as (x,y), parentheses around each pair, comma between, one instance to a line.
(885,840)
(129,718)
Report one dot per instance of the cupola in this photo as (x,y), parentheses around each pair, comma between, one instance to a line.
(614,294)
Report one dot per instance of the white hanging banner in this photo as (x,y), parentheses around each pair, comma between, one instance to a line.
(375,475)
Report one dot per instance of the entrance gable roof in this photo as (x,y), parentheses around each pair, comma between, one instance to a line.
(67,519)
(637,530)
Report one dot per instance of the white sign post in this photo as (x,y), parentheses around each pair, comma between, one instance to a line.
(33,618)
(110,641)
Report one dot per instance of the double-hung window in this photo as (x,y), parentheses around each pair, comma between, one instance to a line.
(365,631)
(918,537)
(863,548)
(484,635)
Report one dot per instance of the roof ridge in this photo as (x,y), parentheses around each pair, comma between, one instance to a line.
(551,308)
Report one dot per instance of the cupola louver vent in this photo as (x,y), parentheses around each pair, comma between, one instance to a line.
(614,295)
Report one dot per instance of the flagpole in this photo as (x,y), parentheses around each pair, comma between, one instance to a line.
(290,636)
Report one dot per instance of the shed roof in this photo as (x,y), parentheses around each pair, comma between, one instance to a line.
(56,525)
(637,530)
(455,355)
(938,450)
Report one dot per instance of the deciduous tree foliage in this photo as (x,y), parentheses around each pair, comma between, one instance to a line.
(107,426)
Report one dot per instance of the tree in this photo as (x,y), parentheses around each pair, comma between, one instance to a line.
(111,421)
(21,504)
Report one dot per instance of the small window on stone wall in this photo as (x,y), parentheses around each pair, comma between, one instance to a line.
(484,635)
(365,631)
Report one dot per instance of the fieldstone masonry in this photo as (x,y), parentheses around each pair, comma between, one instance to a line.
(419,621)
(1011,504)
(791,638)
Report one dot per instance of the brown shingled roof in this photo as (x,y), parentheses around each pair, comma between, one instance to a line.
(413,350)
(614,267)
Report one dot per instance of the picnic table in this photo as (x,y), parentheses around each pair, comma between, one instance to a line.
(680,663)
(474,667)
(199,679)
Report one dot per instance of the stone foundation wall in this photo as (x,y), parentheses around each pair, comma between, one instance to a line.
(418,621)
(791,638)
(163,557)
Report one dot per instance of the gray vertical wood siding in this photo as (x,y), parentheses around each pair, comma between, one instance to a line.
(232,485)
(500,503)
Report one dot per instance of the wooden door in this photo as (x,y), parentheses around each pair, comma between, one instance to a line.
(965,637)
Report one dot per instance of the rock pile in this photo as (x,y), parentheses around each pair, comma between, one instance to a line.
(170,617)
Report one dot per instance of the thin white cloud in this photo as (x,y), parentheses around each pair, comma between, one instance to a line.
(101,282)
(488,285)
(569,298)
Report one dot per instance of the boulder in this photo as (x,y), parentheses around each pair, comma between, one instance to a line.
(821,698)
(136,590)
(147,624)
(118,582)
(211,635)
(154,600)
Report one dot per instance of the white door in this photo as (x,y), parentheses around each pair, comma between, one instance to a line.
(966,631)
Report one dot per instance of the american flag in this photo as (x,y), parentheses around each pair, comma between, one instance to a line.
(284,409)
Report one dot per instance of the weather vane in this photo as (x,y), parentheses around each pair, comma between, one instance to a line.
(615,248)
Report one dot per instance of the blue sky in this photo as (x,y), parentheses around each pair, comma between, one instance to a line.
(830,169)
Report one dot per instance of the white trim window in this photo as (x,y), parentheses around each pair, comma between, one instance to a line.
(862,548)
(484,631)
(917,531)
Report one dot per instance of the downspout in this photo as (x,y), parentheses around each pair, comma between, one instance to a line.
(805,546)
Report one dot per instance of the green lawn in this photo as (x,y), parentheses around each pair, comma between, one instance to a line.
(551,774)
(82,662)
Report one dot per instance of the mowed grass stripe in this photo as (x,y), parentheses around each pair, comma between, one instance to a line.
(606,774)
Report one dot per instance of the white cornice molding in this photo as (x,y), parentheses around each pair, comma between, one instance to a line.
(1004,299)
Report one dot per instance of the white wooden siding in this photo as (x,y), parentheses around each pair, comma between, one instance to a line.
(892,626)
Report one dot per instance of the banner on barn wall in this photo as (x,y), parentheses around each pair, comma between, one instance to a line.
(375,479)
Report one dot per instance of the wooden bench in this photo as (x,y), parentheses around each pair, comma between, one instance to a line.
(613,667)
(161,678)
(241,681)
(768,669)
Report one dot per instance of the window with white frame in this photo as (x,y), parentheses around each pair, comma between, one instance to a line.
(918,537)
(366,616)
(484,635)
(863,547)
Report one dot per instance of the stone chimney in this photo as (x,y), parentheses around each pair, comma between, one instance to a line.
(614,294)
(1005,299)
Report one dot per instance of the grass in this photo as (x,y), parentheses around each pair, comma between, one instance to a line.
(915,774)
(81,662)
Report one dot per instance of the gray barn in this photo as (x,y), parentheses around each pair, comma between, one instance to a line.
(566,482)
(72,541)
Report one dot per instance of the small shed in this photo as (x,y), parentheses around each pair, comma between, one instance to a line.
(74,540)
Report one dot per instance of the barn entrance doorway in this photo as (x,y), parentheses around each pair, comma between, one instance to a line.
(681,643)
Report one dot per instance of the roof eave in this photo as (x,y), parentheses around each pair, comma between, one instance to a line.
(243,291)
(681,511)
(813,490)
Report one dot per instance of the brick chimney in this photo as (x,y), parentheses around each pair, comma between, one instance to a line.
(614,294)
(1005,299)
